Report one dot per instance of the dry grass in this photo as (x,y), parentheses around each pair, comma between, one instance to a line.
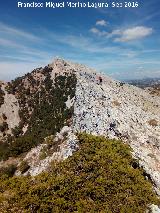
(116,103)
(153,122)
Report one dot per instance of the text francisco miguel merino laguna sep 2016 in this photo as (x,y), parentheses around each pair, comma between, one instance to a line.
(77,4)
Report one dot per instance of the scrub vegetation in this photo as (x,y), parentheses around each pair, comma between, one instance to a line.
(100,177)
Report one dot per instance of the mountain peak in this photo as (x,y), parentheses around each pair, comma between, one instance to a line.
(60,66)
(58,60)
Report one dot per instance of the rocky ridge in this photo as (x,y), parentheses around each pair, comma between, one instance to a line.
(100,107)
(120,111)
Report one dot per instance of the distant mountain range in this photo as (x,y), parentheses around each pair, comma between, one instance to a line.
(152,85)
(146,82)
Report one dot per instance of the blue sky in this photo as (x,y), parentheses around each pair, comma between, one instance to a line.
(121,42)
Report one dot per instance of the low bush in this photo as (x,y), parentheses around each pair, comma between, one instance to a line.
(23,167)
(1,96)
(153,122)
(43,153)
(8,171)
(116,103)
(4,150)
(99,177)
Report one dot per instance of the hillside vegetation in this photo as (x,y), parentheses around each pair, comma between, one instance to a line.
(100,177)
(48,112)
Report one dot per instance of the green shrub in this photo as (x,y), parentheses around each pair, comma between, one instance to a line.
(4,150)
(99,177)
(43,153)
(21,145)
(23,167)
(1,96)
(3,126)
(49,140)
(16,131)
(8,171)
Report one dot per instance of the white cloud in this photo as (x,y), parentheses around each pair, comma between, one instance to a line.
(9,30)
(114,33)
(98,32)
(10,43)
(125,35)
(101,23)
(134,33)
(95,31)
(23,51)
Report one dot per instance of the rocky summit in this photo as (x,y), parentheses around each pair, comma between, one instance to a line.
(41,112)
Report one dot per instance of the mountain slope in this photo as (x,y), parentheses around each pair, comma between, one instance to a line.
(36,106)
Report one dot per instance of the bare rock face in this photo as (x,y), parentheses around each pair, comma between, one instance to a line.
(9,110)
(98,105)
